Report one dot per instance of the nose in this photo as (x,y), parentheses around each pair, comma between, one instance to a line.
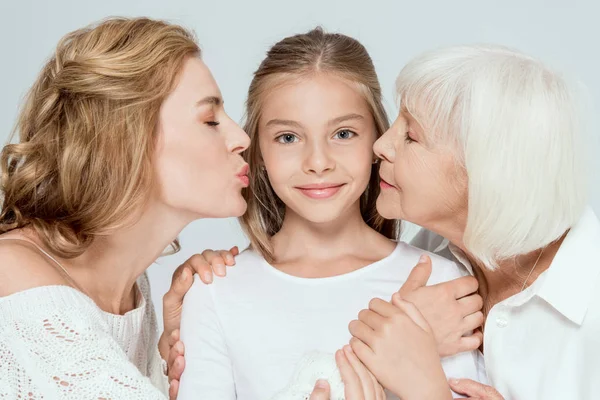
(237,140)
(318,159)
(384,147)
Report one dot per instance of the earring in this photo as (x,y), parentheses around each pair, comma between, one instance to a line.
(376,161)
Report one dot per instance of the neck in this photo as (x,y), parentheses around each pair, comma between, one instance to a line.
(511,275)
(108,269)
(299,237)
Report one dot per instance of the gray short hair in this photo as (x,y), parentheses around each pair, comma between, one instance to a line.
(514,125)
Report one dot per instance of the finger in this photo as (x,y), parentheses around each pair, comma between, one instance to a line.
(471,342)
(352,386)
(173,299)
(470,304)
(181,282)
(234,251)
(371,319)
(376,385)
(361,331)
(177,368)
(175,352)
(473,321)
(173,390)
(462,287)
(173,338)
(202,267)
(362,372)
(380,392)
(474,389)
(382,307)
(418,277)
(410,310)
(228,257)
(364,353)
(216,261)
(321,391)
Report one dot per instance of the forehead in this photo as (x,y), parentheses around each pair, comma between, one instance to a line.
(312,99)
(196,80)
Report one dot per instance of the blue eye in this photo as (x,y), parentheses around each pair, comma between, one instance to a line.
(286,138)
(345,134)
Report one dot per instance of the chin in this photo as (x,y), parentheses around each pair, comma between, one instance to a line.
(231,209)
(388,209)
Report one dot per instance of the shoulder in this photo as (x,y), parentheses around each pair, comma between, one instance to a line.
(249,268)
(442,269)
(427,240)
(23,267)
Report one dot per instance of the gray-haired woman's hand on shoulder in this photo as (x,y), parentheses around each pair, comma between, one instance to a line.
(452,309)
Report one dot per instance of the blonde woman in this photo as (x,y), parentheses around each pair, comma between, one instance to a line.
(320,251)
(119,137)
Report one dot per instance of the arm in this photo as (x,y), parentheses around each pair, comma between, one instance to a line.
(208,372)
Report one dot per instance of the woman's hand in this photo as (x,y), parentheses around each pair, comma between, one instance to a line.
(359,383)
(452,309)
(394,341)
(170,347)
(474,390)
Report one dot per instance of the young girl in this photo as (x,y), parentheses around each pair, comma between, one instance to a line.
(319,250)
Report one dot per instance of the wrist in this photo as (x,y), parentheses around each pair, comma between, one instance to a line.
(434,387)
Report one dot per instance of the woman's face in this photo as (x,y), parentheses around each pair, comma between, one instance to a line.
(421,183)
(198,164)
(316,136)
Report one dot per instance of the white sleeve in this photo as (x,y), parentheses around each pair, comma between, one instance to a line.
(208,373)
(65,352)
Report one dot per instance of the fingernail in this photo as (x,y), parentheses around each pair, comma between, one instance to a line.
(219,269)
(321,384)
(348,349)
(207,277)
(423,259)
(454,381)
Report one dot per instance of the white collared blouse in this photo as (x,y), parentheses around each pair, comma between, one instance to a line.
(544,342)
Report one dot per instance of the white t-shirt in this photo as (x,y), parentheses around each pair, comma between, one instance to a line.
(244,335)
(544,343)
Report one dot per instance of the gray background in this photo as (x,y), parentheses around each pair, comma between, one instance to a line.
(234,36)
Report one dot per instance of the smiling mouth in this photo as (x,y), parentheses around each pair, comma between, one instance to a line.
(320,191)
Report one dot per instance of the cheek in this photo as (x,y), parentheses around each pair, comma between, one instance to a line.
(358,162)
(191,164)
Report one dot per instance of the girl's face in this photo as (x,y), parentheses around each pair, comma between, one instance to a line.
(316,136)
(198,165)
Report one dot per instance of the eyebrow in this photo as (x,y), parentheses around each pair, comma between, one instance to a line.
(335,121)
(345,118)
(284,122)
(212,100)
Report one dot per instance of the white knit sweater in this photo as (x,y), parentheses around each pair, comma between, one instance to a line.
(55,343)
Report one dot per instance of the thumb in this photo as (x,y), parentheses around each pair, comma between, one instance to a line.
(173,299)
(321,391)
(418,276)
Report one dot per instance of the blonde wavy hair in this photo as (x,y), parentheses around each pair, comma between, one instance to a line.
(296,57)
(82,165)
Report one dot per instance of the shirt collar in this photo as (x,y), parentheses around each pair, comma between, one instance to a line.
(571,279)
